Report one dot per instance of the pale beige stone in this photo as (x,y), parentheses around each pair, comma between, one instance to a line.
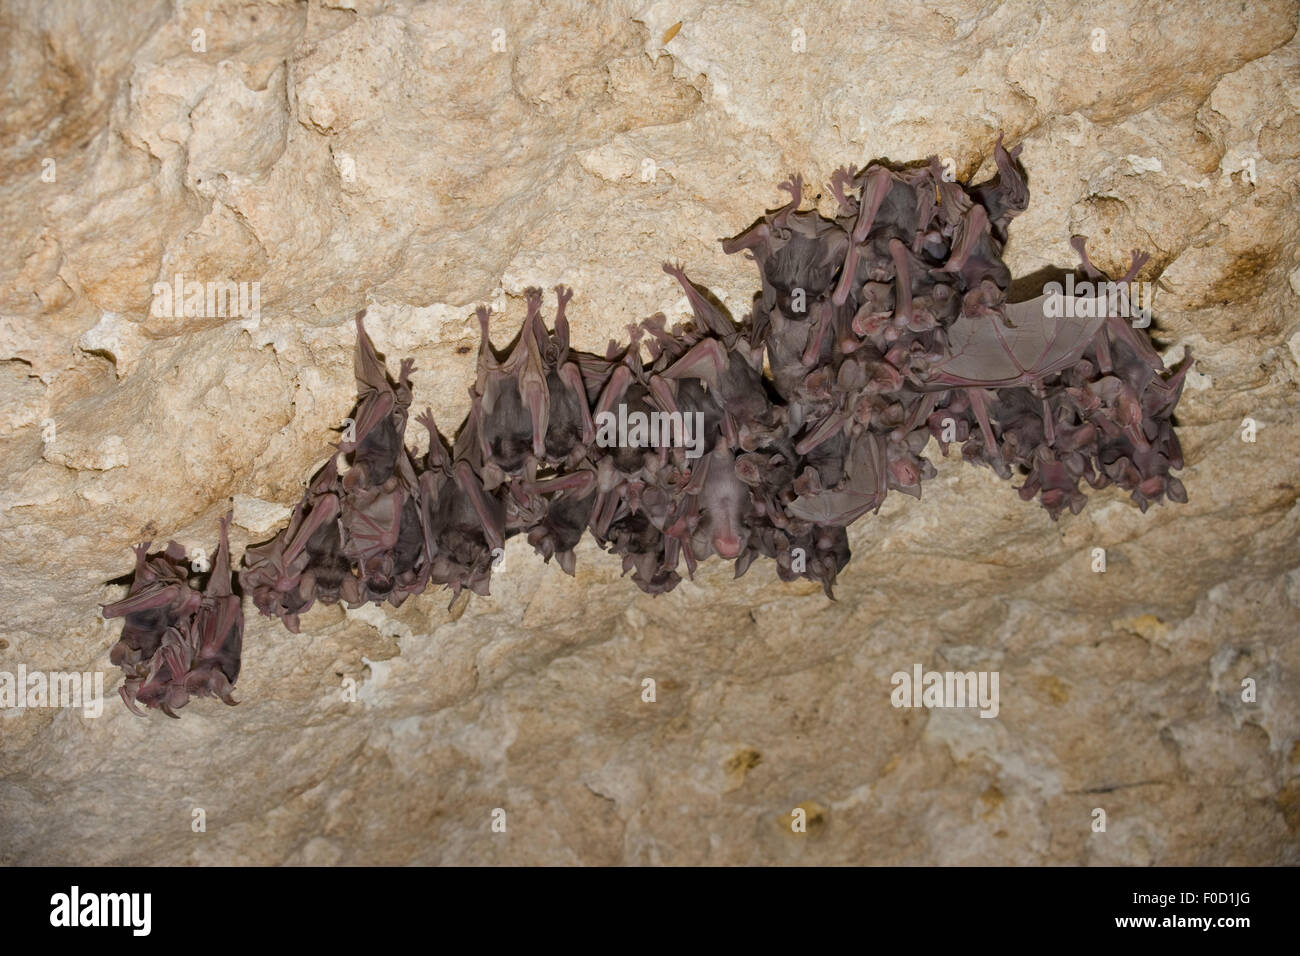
(417,159)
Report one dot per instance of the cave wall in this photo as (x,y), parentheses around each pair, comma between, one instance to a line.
(418,159)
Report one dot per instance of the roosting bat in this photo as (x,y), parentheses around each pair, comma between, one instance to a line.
(178,642)
(882,327)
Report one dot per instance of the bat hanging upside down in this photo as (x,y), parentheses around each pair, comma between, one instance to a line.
(882,327)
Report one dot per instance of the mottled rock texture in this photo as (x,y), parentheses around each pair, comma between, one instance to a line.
(421,158)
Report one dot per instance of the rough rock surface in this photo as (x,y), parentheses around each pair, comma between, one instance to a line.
(419,159)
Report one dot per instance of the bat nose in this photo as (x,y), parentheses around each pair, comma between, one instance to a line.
(727,545)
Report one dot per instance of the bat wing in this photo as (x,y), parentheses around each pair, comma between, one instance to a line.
(1043,341)
(864,490)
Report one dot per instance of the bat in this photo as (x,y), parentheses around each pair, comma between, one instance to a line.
(178,642)
(872,330)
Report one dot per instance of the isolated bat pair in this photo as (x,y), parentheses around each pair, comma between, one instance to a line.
(882,327)
(178,642)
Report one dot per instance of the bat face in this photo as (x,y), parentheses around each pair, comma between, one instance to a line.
(882,328)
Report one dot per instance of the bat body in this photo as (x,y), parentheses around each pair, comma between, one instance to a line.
(871,333)
(881,328)
(178,642)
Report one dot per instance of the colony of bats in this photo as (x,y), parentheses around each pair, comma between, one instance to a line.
(872,332)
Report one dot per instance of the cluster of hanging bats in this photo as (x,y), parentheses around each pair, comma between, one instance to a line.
(873,332)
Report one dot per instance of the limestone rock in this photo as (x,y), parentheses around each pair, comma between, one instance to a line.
(417,160)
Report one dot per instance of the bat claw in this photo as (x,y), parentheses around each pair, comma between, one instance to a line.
(129,700)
